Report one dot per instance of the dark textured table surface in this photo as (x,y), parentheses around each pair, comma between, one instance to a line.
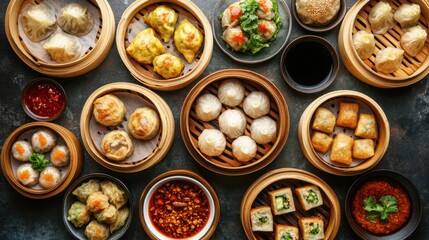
(21,218)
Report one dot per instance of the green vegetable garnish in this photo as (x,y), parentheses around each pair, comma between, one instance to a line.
(263,219)
(388,204)
(315,229)
(282,202)
(38,161)
(286,236)
(312,197)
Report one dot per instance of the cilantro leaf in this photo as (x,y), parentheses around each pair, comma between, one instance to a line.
(38,161)
(389,204)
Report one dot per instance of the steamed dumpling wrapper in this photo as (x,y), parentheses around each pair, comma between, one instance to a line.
(188,40)
(244,148)
(231,15)
(116,194)
(38,22)
(145,47)
(211,142)
(381,18)
(123,214)
(265,9)
(63,47)
(207,107)
(414,40)
(83,191)
(163,19)
(231,92)
(75,19)
(364,44)
(235,38)
(407,15)
(232,123)
(389,60)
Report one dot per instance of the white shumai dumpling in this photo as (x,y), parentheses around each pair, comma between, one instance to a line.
(207,107)
(231,92)
(38,22)
(75,19)
(265,9)
(266,29)
(231,15)
(413,40)
(364,43)
(389,60)
(60,156)
(244,148)
(43,140)
(49,177)
(235,38)
(212,142)
(381,18)
(27,175)
(21,150)
(63,47)
(263,130)
(232,123)
(256,104)
(407,15)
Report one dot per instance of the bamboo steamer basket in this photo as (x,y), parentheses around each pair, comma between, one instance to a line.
(257,195)
(315,158)
(89,60)
(412,70)
(164,140)
(191,127)
(74,167)
(180,175)
(132,22)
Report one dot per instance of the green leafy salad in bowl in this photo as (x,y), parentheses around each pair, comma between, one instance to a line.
(250,25)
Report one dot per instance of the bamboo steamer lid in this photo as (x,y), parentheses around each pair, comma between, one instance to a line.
(412,69)
(160,144)
(257,195)
(74,167)
(381,145)
(132,22)
(191,127)
(95,54)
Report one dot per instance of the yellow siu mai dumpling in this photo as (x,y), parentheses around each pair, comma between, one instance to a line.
(188,40)
(168,65)
(145,47)
(163,20)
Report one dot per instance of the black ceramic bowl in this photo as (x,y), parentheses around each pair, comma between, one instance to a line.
(309,64)
(407,185)
(265,53)
(340,15)
(69,199)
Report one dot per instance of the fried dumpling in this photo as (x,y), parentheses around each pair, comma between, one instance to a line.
(414,40)
(211,142)
(117,145)
(108,215)
(168,65)
(97,202)
(49,177)
(207,107)
(109,110)
(123,214)
(75,19)
(63,48)
(317,12)
(265,9)
(389,60)
(116,194)
(266,29)
(188,39)
(381,18)
(145,47)
(163,20)
(231,15)
(235,38)
(96,231)
(21,150)
(83,191)
(38,22)
(407,15)
(144,123)
(364,44)
(78,214)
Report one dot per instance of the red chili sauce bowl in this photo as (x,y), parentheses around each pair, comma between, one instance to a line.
(44,99)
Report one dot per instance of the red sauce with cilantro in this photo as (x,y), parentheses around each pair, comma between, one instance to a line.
(44,99)
(378,189)
(179,209)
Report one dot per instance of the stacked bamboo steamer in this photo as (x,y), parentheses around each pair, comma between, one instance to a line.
(73,171)
(97,51)
(412,69)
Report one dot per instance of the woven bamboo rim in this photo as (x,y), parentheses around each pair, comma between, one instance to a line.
(191,174)
(74,169)
(225,164)
(360,68)
(144,73)
(165,139)
(313,157)
(257,195)
(91,59)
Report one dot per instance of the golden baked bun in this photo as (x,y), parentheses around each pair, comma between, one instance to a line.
(144,123)
(117,145)
(109,110)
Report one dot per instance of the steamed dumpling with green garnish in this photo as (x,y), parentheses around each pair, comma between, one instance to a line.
(265,9)
(235,38)
(231,15)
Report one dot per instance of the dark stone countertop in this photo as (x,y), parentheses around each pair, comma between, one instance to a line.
(21,218)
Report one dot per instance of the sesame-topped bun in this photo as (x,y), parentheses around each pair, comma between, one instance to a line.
(317,12)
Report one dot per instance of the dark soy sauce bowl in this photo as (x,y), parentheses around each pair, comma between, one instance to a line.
(309,64)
